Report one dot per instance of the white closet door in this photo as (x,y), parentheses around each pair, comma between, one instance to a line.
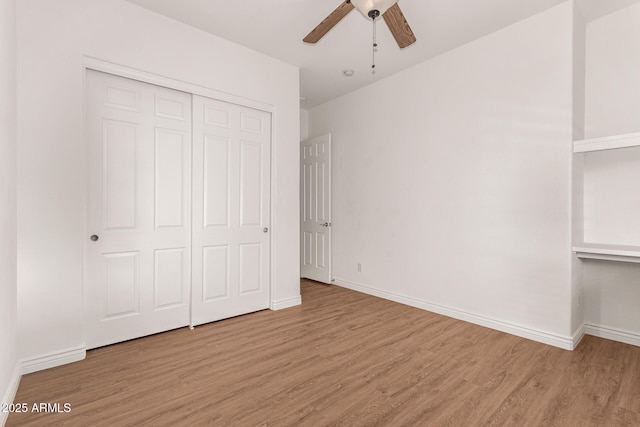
(231,210)
(138,257)
(315,221)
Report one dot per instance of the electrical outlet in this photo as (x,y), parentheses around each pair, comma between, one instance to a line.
(359,268)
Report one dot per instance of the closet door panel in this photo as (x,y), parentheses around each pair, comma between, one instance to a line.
(138,248)
(231,210)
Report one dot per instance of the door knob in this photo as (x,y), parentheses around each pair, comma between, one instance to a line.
(326,224)
(94,238)
(265,230)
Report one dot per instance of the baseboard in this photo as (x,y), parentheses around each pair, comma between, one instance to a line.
(564,342)
(10,394)
(577,336)
(613,334)
(51,360)
(286,303)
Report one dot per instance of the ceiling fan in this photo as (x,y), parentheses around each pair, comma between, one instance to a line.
(372,9)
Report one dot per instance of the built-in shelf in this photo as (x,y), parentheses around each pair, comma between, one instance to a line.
(607,143)
(603,251)
(608,252)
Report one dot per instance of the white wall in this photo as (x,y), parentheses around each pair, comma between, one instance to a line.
(304,125)
(579,70)
(613,67)
(451,180)
(611,298)
(8,299)
(612,199)
(52,39)
(612,289)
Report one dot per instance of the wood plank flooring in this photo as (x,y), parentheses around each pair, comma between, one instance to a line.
(341,358)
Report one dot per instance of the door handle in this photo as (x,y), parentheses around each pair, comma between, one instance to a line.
(94,238)
(326,224)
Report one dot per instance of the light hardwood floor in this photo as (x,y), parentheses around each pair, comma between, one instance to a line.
(341,358)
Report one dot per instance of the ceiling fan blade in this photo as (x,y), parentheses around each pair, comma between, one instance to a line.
(329,22)
(399,26)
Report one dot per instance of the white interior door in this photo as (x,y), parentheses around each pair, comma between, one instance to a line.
(139,217)
(315,188)
(231,210)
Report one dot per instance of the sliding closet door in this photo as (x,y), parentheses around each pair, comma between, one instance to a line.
(138,253)
(231,210)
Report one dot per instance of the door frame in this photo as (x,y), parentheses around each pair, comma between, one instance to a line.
(91,63)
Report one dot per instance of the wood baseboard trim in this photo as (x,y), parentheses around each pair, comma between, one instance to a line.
(10,393)
(613,334)
(51,360)
(285,303)
(564,342)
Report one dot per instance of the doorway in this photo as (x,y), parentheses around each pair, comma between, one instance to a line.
(315,212)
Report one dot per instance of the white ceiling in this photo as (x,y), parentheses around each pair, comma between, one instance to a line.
(276,28)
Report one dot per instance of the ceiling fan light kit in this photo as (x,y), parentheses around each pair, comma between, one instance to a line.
(366,6)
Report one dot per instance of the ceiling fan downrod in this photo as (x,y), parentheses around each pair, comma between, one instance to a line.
(373,14)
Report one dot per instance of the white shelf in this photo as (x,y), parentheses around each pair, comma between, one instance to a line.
(608,252)
(607,143)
